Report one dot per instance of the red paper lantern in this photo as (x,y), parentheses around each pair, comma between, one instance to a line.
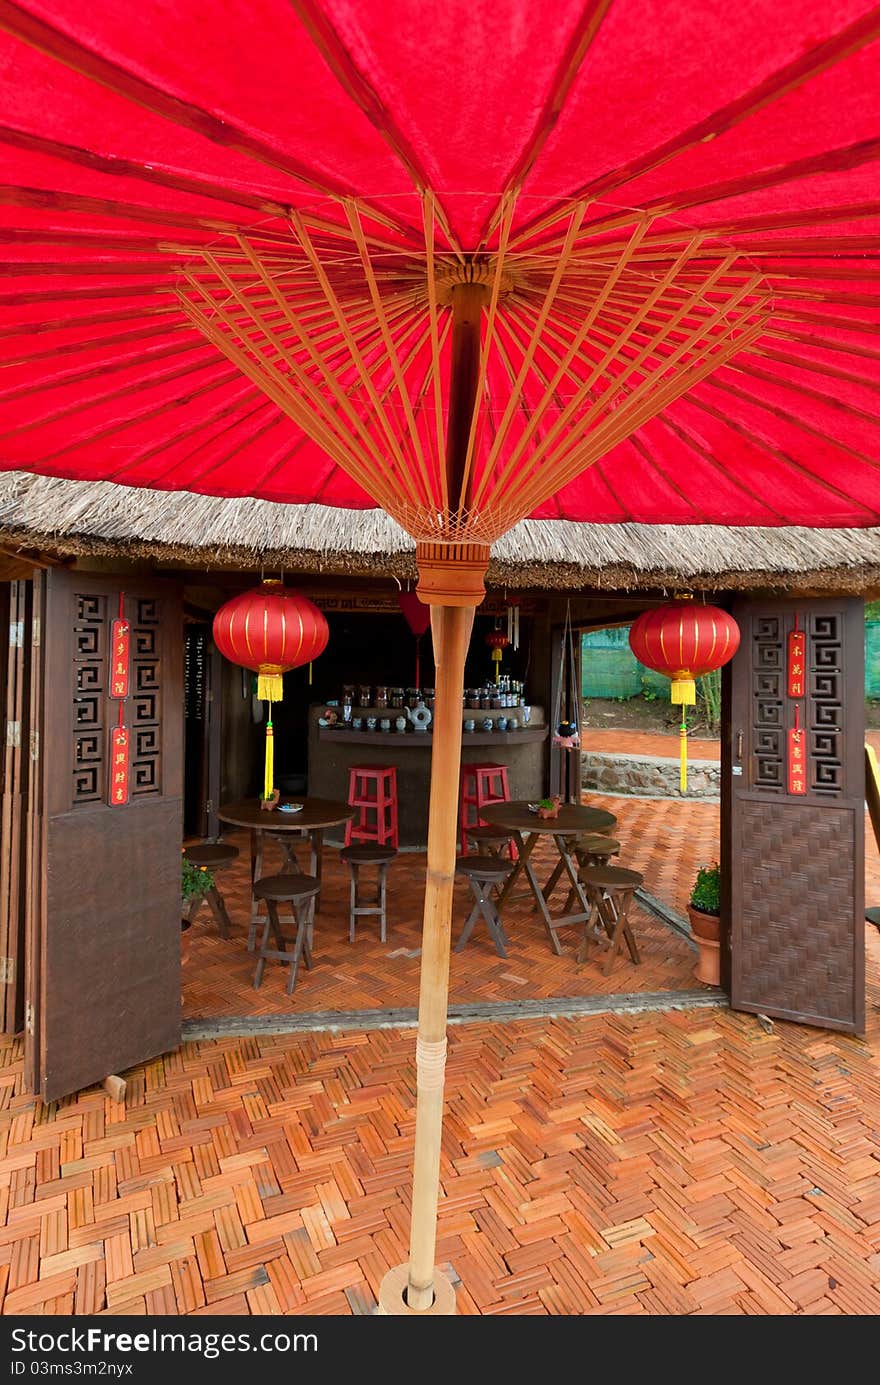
(418,615)
(684,641)
(270,630)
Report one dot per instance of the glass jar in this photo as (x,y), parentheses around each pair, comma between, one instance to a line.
(364,694)
(348,695)
(397,697)
(413,697)
(381,697)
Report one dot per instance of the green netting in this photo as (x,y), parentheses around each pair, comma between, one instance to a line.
(872,658)
(610,669)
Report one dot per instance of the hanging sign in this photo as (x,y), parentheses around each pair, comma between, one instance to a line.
(797,662)
(120,739)
(120,644)
(797,757)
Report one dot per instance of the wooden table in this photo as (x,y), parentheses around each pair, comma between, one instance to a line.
(526,828)
(316,815)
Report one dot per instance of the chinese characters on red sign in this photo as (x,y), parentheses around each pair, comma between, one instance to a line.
(797,664)
(120,637)
(797,761)
(119,752)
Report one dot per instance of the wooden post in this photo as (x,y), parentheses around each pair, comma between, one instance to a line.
(451,582)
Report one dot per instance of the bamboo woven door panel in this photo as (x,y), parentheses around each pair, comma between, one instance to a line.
(16,764)
(109,982)
(794,816)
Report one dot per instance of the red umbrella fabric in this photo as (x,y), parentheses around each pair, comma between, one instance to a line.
(349,156)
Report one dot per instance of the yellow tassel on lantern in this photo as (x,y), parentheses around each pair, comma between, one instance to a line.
(269,776)
(496,659)
(270,686)
(683,692)
(310,674)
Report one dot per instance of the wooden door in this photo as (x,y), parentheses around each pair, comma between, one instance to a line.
(106,983)
(793,846)
(14,776)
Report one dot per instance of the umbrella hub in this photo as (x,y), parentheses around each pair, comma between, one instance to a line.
(479,270)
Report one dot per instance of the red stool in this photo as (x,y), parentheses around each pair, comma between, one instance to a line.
(480,785)
(362,780)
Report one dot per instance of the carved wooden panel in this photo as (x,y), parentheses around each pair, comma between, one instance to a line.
(768,704)
(144,708)
(825,704)
(793,943)
(90,650)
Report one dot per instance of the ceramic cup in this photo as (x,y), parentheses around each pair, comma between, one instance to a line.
(501,724)
(371,723)
(400,723)
(357,723)
(487,723)
(385,724)
(527,714)
(470,724)
(513,724)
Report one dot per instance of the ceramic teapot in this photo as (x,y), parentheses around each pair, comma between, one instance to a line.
(419,716)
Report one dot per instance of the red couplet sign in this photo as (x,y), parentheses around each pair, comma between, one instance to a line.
(797,761)
(797,663)
(120,639)
(120,738)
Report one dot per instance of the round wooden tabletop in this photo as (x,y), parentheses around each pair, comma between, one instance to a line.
(316,813)
(572,819)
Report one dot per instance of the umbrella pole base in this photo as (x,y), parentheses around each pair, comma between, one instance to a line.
(392,1296)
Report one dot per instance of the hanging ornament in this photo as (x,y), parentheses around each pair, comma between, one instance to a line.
(566,719)
(418,618)
(270,630)
(513,604)
(497,642)
(684,640)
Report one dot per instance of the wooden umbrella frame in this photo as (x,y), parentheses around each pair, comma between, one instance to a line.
(348,332)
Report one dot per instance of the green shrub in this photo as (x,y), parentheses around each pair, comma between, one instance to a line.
(706,894)
(195,881)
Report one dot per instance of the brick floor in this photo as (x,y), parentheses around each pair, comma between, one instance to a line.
(218,974)
(685,1162)
(646,743)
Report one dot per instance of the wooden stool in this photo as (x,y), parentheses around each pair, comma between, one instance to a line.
(610,891)
(212,856)
(361,779)
(300,891)
(591,850)
(480,785)
(483,874)
(355,857)
(491,841)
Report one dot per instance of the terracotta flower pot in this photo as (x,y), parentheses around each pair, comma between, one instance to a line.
(706,929)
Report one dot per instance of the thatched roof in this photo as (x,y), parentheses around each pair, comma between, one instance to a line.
(73,518)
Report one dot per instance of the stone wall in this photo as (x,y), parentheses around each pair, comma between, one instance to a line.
(648,774)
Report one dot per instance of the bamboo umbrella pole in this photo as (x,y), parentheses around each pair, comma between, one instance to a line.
(451,582)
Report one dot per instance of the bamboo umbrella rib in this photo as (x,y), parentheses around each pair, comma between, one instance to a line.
(596,447)
(817,368)
(486,343)
(768,378)
(254,433)
(580,337)
(640,404)
(106,368)
(288,402)
(342,322)
(613,353)
(784,416)
(99,343)
(254,316)
(379,309)
(428,216)
(577,216)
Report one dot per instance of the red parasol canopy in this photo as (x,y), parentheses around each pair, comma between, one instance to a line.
(193,160)
(468,261)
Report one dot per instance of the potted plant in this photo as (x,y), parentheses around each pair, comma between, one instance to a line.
(549,807)
(195,882)
(704,912)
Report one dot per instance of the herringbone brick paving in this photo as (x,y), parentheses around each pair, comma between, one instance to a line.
(661,1164)
(218,973)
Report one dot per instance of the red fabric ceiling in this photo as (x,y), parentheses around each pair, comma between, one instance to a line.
(125,133)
